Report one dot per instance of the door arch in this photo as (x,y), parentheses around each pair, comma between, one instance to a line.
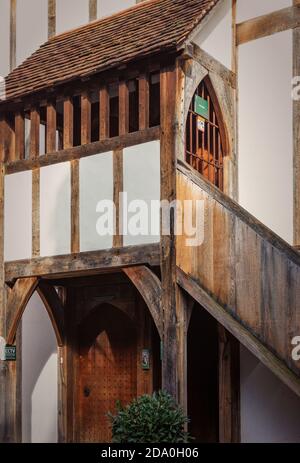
(206,140)
(106,370)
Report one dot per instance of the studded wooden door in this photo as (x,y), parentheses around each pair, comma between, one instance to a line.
(106,370)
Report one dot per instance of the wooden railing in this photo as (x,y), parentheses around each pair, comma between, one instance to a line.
(244,266)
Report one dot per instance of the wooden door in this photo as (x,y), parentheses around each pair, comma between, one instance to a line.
(106,370)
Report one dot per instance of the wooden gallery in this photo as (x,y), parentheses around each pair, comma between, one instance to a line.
(145,102)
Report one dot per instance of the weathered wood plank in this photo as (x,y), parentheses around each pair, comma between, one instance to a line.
(35,212)
(243,335)
(123,107)
(296,134)
(79,152)
(144,102)
(92,10)
(84,263)
(104,112)
(68,130)
(263,26)
(34,133)
(16,304)
(149,286)
(86,118)
(51,18)
(54,308)
(13,35)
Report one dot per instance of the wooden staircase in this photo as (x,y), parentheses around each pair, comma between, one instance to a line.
(244,275)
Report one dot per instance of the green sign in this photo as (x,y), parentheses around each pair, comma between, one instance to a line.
(201,106)
(146,359)
(10,353)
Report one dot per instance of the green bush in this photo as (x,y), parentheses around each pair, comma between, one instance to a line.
(149,419)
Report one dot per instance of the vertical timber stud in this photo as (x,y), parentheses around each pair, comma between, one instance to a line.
(34,153)
(168,255)
(143,102)
(92,10)
(51,128)
(20,135)
(3,365)
(51,18)
(123,108)
(229,387)
(13,34)
(296,134)
(118,188)
(104,112)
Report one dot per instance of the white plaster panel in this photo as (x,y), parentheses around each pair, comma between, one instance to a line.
(55,214)
(17,216)
(247,9)
(32,27)
(216,36)
(39,375)
(270,411)
(96,184)
(266,131)
(71,14)
(108,7)
(142,182)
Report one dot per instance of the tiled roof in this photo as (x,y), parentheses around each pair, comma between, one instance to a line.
(148,28)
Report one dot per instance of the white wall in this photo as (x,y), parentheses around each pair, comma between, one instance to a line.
(32,29)
(96,184)
(216,37)
(108,7)
(17,216)
(141,180)
(270,412)
(71,14)
(4,37)
(39,375)
(55,209)
(265,131)
(247,9)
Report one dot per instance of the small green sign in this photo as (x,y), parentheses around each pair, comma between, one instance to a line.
(201,106)
(146,359)
(10,353)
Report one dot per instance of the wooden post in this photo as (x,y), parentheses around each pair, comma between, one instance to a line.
(104,112)
(143,102)
(34,133)
(229,387)
(168,254)
(182,327)
(13,34)
(86,119)
(3,365)
(123,108)
(92,10)
(51,128)
(51,18)
(68,123)
(20,135)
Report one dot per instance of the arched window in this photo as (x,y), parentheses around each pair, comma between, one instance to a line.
(204,143)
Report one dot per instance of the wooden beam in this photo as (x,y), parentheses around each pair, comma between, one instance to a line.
(7,141)
(104,112)
(13,34)
(296,135)
(213,65)
(229,387)
(20,135)
(92,10)
(16,304)
(75,214)
(84,263)
(86,118)
(263,26)
(2,307)
(78,152)
(34,133)
(54,308)
(149,287)
(68,131)
(144,102)
(51,128)
(243,335)
(123,107)
(168,252)
(51,18)
(118,188)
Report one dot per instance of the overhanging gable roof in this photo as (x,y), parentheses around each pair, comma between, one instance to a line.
(151,27)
